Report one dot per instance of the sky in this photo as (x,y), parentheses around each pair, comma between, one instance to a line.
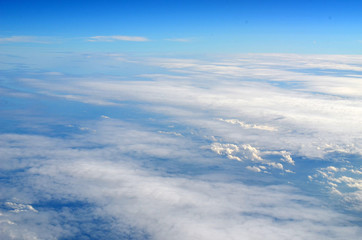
(328,27)
(174,120)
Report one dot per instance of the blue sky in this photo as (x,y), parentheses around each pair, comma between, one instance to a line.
(328,27)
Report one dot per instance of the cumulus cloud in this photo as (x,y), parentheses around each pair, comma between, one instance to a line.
(117,38)
(246,152)
(344,182)
(248,126)
(253,168)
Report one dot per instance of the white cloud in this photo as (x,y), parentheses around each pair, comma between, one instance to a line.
(344,182)
(233,106)
(224,148)
(172,133)
(117,38)
(246,152)
(18,207)
(308,124)
(162,205)
(356,171)
(248,126)
(331,168)
(253,168)
(24,39)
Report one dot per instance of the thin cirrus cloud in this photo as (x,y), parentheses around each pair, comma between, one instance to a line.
(117,38)
(23,39)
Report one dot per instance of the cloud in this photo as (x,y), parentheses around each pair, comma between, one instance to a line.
(236,114)
(140,201)
(253,168)
(246,152)
(23,39)
(250,91)
(19,207)
(344,182)
(173,133)
(117,38)
(248,126)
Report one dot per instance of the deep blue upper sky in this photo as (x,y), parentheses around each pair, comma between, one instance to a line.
(208,26)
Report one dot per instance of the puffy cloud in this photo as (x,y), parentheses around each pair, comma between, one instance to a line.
(18,207)
(247,152)
(343,182)
(224,148)
(253,168)
(331,168)
(248,126)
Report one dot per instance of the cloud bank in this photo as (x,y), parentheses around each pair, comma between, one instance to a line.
(232,147)
(109,182)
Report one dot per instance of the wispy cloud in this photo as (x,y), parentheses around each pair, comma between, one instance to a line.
(24,39)
(117,38)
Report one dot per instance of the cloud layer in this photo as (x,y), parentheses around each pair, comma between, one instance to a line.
(112,185)
(231,147)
